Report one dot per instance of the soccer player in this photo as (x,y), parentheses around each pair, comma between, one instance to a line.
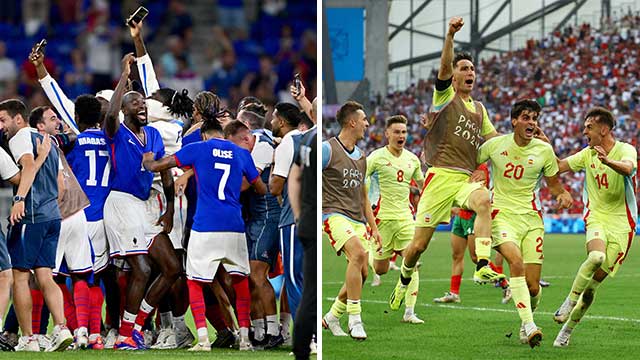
(215,240)
(34,231)
(262,228)
(167,110)
(451,145)
(74,246)
(610,213)
(345,208)
(391,170)
(124,213)
(90,161)
(518,162)
(285,122)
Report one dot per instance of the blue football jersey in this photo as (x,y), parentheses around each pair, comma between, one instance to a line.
(219,167)
(90,161)
(126,160)
(190,192)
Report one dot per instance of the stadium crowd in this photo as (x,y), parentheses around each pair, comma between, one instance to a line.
(105,226)
(567,73)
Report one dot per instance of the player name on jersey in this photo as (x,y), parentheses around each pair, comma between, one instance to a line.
(91,141)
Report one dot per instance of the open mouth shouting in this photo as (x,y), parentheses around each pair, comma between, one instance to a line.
(529,131)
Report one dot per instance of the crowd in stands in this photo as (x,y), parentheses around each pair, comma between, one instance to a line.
(253,48)
(567,72)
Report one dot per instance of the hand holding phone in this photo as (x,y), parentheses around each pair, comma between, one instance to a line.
(137,16)
(39,48)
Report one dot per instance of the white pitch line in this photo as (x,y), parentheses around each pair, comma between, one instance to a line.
(475,308)
(551,277)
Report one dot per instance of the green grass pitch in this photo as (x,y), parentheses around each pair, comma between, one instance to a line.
(478,327)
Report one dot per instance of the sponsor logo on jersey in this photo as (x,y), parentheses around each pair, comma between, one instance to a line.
(504,153)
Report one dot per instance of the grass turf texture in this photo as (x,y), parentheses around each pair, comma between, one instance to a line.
(478,326)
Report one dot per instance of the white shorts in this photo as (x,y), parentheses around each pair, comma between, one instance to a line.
(98,237)
(207,250)
(155,206)
(124,219)
(74,245)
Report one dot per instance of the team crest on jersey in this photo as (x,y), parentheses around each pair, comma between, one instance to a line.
(427,218)
(530,161)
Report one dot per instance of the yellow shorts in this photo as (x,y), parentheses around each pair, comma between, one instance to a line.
(617,245)
(526,231)
(443,189)
(339,229)
(396,236)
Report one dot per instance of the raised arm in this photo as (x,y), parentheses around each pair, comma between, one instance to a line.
(63,105)
(111,122)
(446,60)
(302,100)
(143,60)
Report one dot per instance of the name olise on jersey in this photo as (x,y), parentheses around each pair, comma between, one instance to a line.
(224,154)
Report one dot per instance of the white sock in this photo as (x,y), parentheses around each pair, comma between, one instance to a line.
(258,328)
(178,323)
(203,335)
(166,319)
(272,325)
(408,311)
(285,320)
(354,318)
(244,333)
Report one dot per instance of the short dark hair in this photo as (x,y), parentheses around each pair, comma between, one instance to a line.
(88,109)
(347,110)
(525,105)
(461,56)
(35,117)
(395,119)
(289,112)
(306,120)
(233,127)
(602,116)
(253,104)
(14,107)
(255,120)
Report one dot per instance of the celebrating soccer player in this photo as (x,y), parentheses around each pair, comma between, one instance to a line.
(451,146)
(345,208)
(391,170)
(518,162)
(610,213)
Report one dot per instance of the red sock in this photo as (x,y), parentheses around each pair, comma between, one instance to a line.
(493,266)
(499,269)
(96,298)
(455,284)
(215,317)
(243,300)
(394,257)
(69,307)
(196,300)
(143,314)
(36,310)
(81,299)
(126,325)
(122,284)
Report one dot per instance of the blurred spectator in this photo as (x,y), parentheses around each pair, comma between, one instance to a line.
(35,14)
(228,75)
(169,60)
(101,54)
(8,72)
(185,78)
(181,23)
(70,10)
(232,17)
(218,43)
(78,80)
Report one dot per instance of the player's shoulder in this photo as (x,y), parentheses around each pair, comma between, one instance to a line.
(377,153)
(496,140)
(540,144)
(626,147)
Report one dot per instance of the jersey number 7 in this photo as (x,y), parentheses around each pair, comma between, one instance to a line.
(226,168)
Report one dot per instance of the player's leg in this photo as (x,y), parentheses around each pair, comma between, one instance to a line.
(458,246)
(163,255)
(379,261)
(584,302)
(479,201)
(354,278)
(305,324)
(519,289)
(137,283)
(596,255)
(6,282)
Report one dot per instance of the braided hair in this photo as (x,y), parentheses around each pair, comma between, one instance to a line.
(178,102)
(207,104)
